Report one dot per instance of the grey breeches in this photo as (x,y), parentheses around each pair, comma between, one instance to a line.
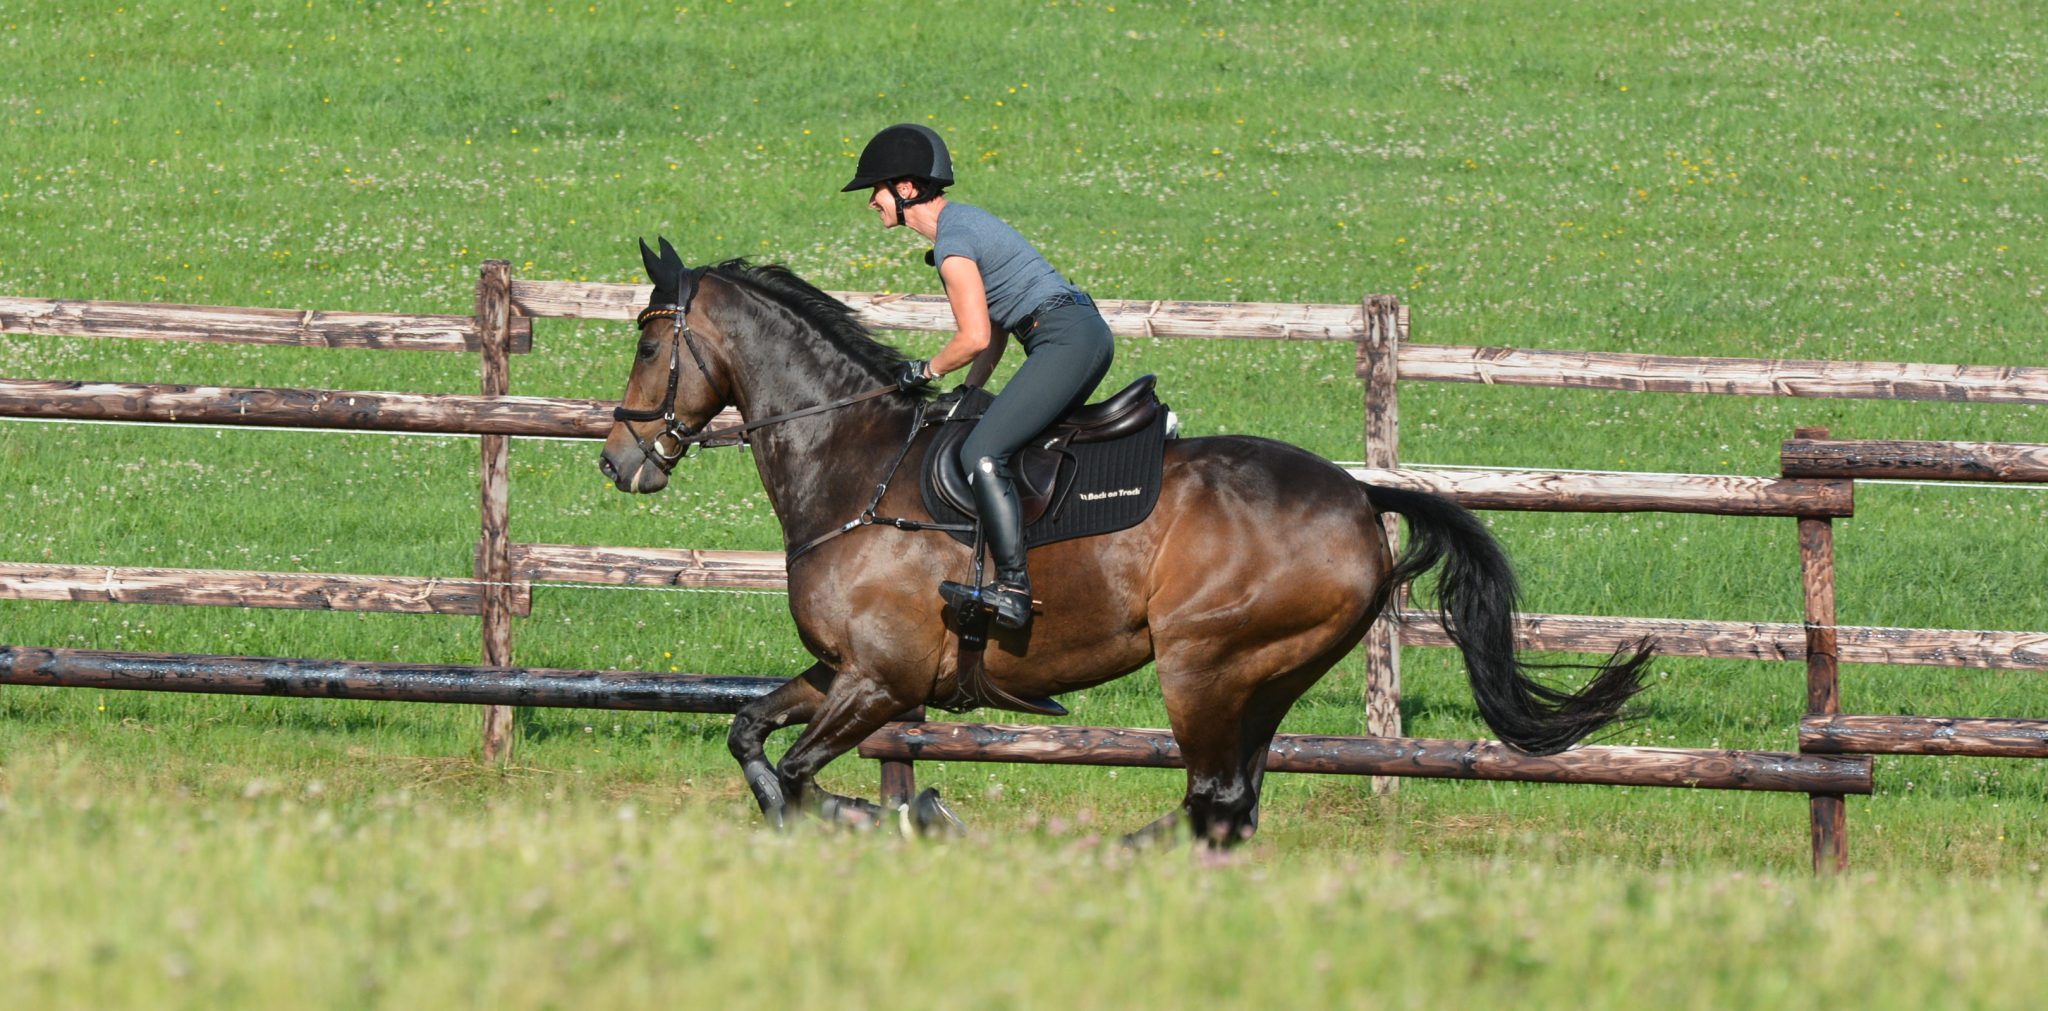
(1069,353)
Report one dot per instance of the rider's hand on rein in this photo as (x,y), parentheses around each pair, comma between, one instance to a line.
(912,376)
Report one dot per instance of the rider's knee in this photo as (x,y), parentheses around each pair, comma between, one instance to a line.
(992,466)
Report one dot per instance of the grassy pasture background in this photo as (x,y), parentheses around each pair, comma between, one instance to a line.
(1771,180)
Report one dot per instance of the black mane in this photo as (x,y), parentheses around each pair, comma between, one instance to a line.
(828,315)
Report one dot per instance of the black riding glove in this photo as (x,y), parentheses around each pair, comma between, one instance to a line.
(912,377)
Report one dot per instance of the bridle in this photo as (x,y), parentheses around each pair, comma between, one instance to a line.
(674,440)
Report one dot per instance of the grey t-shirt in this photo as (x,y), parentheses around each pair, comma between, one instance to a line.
(1012,270)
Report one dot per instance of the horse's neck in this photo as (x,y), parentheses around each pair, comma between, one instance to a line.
(821,470)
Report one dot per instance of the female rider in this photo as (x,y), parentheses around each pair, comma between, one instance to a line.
(993,278)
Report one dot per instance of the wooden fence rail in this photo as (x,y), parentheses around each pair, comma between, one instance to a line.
(1551,491)
(363,410)
(1380,756)
(311,591)
(1735,640)
(1923,735)
(1738,640)
(693,693)
(1916,461)
(216,324)
(931,313)
(1750,377)
(293,677)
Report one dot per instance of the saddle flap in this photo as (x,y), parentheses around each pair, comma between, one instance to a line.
(1035,469)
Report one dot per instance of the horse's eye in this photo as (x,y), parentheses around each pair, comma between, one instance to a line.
(646,350)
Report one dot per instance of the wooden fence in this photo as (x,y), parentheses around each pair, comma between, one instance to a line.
(1824,730)
(1813,494)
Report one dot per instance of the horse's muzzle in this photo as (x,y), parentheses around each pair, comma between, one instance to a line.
(641,477)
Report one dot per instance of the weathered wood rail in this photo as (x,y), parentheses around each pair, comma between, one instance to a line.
(1126,317)
(1380,756)
(1752,377)
(763,570)
(1546,491)
(1923,735)
(293,677)
(359,410)
(213,324)
(1111,746)
(1915,461)
(1815,487)
(1919,647)
(309,591)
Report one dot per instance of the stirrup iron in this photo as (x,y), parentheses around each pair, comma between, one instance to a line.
(1010,606)
(972,688)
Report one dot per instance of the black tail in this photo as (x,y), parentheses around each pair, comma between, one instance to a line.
(1476,604)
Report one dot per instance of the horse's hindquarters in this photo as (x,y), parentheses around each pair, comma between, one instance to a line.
(1254,546)
(1262,542)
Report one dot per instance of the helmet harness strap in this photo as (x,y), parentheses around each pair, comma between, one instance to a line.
(924,195)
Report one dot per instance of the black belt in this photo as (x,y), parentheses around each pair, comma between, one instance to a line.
(1065,298)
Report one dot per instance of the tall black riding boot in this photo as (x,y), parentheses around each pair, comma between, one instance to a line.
(1002,522)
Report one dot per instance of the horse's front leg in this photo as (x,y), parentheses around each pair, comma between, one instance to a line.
(855,706)
(794,702)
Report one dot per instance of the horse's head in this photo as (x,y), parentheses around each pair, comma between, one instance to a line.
(672,392)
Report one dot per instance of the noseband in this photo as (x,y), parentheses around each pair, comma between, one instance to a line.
(674,440)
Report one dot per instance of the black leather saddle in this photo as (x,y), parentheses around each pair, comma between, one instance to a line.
(1044,468)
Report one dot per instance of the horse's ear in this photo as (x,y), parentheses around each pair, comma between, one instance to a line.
(653,264)
(669,257)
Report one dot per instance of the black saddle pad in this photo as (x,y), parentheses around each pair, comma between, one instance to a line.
(1103,486)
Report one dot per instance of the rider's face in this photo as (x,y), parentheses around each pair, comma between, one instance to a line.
(879,202)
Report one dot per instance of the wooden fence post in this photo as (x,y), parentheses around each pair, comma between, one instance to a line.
(1823,685)
(493,556)
(899,776)
(1378,347)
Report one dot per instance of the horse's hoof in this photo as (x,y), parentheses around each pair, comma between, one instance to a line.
(850,813)
(1165,832)
(929,816)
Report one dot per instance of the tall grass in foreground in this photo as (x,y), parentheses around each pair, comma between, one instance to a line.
(290,894)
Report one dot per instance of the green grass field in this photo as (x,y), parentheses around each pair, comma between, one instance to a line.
(1816,180)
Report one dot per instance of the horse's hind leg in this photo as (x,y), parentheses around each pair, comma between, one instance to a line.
(1269,704)
(1225,721)
(796,701)
(1207,710)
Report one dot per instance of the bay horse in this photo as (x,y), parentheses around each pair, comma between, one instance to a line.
(1260,566)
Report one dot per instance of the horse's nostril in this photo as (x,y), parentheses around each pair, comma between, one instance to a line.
(604,464)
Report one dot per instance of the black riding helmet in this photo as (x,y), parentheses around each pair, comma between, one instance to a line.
(906,150)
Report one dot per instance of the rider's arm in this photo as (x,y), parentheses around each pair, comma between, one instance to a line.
(970,313)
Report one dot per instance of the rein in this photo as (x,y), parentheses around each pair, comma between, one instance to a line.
(867,515)
(674,440)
